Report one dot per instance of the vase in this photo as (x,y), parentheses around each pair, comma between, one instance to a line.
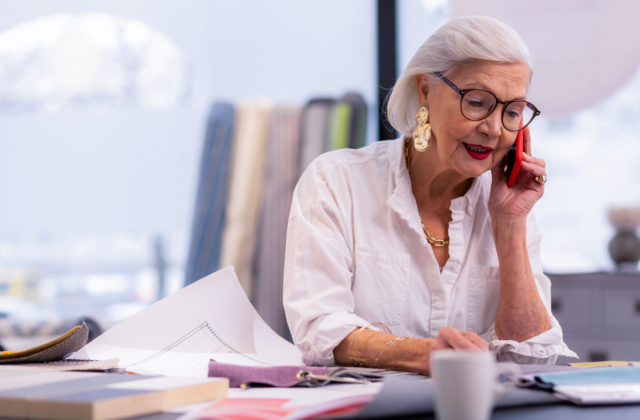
(624,248)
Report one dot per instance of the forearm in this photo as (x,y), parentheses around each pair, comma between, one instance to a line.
(365,347)
(521,313)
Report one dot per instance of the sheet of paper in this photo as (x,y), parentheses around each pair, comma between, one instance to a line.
(599,393)
(210,318)
(286,403)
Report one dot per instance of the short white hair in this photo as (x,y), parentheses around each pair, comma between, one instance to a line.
(459,41)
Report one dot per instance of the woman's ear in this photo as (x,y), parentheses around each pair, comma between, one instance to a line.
(422,84)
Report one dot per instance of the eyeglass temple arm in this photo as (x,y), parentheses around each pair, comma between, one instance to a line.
(448,82)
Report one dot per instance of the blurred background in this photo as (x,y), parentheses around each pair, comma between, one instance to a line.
(109,112)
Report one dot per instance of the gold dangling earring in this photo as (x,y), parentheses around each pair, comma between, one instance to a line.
(422,133)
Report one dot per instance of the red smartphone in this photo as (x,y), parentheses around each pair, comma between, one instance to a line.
(514,159)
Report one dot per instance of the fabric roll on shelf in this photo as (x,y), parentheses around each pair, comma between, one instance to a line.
(281,176)
(245,189)
(358,122)
(339,126)
(313,130)
(347,123)
(211,197)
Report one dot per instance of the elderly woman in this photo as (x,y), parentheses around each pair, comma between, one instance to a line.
(404,247)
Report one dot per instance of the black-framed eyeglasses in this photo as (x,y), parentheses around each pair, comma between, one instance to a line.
(478,104)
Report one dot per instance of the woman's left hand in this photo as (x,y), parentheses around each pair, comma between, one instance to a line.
(518,200)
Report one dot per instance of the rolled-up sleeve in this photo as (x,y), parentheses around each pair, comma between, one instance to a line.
(542,349)
(317,295)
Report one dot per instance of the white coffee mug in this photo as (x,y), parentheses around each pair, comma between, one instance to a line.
(466,383)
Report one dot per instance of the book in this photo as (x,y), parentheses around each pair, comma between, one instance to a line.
(604,363)
(32,393)
(593,385)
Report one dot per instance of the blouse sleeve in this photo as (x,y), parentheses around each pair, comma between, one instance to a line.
(543,348)
(317,295)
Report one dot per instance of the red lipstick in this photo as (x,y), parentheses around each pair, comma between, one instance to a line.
(477,151)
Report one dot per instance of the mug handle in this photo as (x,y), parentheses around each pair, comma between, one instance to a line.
(510,370)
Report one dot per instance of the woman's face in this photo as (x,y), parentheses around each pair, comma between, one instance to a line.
(472,147)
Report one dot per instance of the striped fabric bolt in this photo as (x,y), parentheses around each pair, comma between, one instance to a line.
(248,156)
(313,130)
(211,197)
(280,179)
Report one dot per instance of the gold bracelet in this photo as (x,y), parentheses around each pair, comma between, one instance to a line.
(386,347)
(381,325)
(361,329)
(355,338)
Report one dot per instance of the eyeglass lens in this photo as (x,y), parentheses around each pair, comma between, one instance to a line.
(478,104)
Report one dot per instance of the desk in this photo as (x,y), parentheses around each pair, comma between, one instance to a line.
(411,397)
(404,398)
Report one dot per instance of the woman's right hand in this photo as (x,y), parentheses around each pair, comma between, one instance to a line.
(452,338)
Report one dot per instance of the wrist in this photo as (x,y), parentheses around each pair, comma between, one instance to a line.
(509,225)
(510,237)
(409,355)
(420,362)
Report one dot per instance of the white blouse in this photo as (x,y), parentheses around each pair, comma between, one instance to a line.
(356,254)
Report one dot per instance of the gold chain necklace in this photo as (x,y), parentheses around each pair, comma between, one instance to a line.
(432,240)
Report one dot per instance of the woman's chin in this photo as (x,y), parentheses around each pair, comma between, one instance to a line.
(474,170)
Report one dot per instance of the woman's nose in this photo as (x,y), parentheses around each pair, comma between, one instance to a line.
(493,124)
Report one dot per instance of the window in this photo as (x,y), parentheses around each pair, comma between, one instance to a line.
(94,110)
(99,161)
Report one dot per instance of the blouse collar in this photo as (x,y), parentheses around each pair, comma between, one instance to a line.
(402,191)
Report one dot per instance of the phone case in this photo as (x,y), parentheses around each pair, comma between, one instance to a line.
(514,159)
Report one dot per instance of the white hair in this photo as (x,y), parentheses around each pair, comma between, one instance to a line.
(459,41)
